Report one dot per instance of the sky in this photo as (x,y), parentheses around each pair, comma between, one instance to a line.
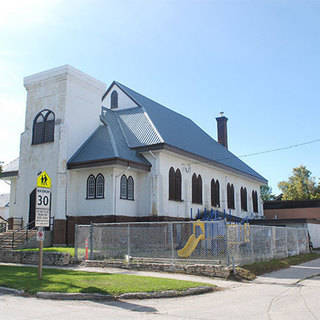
(257,61)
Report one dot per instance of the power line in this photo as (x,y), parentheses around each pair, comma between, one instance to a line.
(282,148)
(274,150)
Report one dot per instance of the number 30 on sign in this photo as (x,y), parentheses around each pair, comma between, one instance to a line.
(43,198)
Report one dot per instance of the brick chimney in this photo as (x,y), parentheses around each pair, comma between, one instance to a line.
(222,130)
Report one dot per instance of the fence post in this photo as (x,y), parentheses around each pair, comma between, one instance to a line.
(172,251)
(297,241)
(251,244)
(76,230)
(226,240)
(91,241)
(273,241)
(128,243)
(286,242)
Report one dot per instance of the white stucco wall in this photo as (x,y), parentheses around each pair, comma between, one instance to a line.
(74,97)
(187,167)
(78,205)
(124,102)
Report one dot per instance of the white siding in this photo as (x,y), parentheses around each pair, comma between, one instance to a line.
(124,102)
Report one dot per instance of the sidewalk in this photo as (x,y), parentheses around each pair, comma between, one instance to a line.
(285,276)
(291,275)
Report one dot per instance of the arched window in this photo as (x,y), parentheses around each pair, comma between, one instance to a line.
(91,187)
(243,198)
(123,187)
(178,185)
(215,193)
(100,186)
(230,196)
(175,181)
(255,201)
(126,188)
(172,184)
(130,188)
(114,99)
(199,189)
(43,127)
(196,189)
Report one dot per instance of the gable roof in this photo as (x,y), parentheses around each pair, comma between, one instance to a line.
(178,131)
(10,169)
(151,125)
(4,200)
(107,145)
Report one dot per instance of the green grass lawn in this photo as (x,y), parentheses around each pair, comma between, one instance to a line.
(57,280)
(259,268)
(69,250)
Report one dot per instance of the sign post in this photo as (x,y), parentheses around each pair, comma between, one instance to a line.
(43,200)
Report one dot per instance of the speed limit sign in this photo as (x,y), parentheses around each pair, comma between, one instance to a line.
(43,196)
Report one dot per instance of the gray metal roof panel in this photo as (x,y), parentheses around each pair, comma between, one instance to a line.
(107,142)
(98,146)
(137,127)
(181,132)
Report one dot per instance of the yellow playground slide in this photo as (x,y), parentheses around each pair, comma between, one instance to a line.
(192,242)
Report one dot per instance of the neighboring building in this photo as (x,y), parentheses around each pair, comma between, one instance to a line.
(292,209)
(4,211)
(294,213)
(136,160)
(4,205)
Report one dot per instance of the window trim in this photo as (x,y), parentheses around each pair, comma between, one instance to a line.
(89,179)
(230,196)
(175,185)
(99,175)
(244,199)
(114,103)
(45,113)
(255,205)
(124,180)
(215,193)
(128,194)
(196,189)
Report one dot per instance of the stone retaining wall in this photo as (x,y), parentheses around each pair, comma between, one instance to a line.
(32,257)
(194,269)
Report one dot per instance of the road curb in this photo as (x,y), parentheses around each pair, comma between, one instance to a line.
(73,296)
(13,291)
(125,296)
(167,294)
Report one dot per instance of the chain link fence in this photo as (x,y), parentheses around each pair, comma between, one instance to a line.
(215,242)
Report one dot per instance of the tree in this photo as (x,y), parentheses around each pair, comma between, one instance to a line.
(300,186)
(266,193)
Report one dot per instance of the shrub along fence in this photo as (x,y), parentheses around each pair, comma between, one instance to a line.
(212,242)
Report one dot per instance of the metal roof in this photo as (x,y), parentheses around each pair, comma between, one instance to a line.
(179,131)
(10,169)
(4,200)
(151,124)
(106,142)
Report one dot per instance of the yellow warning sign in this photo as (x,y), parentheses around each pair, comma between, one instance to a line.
(43,180)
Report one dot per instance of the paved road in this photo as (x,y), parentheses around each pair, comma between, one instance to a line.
(278,295)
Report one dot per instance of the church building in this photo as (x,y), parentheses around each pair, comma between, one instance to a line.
(114,155)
